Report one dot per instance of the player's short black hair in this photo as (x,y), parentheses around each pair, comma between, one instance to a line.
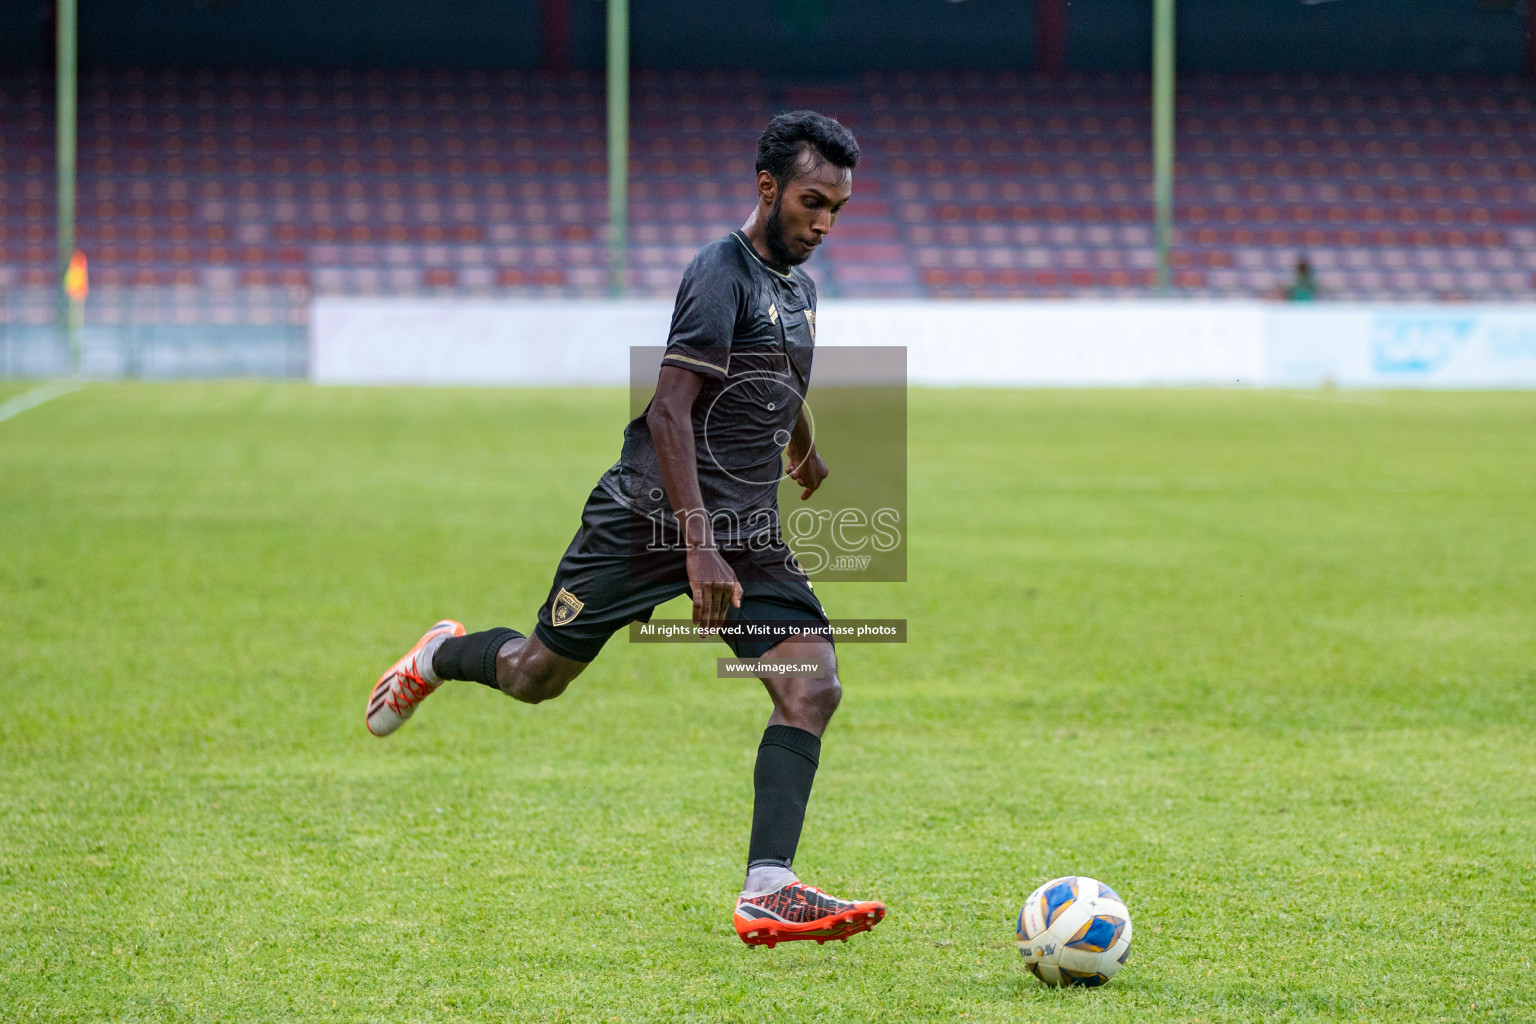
(788,135)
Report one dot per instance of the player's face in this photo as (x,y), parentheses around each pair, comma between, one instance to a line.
(805,209)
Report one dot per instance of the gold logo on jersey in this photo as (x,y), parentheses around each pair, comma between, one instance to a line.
(810,321)
(566,608)
(773,313)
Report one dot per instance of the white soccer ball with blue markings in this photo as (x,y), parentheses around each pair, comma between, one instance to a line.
(1074,931)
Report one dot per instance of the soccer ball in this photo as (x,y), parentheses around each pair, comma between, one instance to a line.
(1074,931)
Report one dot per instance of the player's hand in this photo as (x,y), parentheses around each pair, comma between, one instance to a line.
(714,586)
(807,470)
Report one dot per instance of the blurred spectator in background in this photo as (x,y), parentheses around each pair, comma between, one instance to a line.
(1303,287)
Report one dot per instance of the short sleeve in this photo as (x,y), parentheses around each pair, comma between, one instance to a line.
(704,319)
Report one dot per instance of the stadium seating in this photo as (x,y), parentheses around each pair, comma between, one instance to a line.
(232,197)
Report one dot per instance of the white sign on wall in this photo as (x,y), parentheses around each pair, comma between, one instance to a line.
(1430,346)
(953,343)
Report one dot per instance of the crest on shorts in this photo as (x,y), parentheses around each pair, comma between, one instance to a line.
(566,608)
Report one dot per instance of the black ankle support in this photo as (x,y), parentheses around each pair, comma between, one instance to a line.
(472,657)
(787,760)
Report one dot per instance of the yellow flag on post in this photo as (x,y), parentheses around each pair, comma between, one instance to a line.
(77,279)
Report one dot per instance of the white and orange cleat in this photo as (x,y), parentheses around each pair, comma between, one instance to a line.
(398,691)
(800,911)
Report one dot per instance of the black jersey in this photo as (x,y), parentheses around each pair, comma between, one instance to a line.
(749,329)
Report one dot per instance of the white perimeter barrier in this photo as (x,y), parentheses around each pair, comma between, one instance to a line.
(954,343)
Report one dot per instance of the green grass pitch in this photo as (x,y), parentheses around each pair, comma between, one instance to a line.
(1264,662)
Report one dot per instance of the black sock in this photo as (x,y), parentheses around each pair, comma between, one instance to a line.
(786,768)
(472,657)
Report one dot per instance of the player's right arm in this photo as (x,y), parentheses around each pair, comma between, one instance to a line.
(710,578)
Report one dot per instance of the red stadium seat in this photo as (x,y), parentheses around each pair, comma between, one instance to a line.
(1014,154)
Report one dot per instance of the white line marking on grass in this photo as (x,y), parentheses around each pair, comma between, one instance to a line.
(37,396)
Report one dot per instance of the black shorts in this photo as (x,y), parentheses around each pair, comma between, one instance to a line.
(615,573)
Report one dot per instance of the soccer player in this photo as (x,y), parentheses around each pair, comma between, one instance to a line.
(691,507)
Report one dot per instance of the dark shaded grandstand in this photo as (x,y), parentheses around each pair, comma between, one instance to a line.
(225,190)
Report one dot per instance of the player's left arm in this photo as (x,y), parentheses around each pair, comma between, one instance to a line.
(805,465)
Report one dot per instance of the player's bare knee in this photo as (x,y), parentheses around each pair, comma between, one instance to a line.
(534,693)
(533,689)
(811,702)
(831,689)
(826,694)
(533,682)
(530,673)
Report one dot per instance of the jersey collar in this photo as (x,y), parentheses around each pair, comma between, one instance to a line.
(745,244)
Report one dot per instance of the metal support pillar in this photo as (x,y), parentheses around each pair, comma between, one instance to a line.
(69,320)
(618,142)
(1162,136)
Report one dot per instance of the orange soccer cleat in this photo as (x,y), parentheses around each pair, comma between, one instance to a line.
(800,911)
(398,691)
